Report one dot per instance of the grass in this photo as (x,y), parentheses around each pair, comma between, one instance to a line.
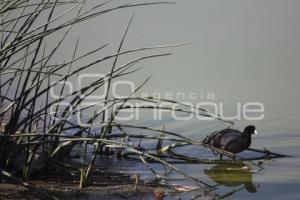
(27,72)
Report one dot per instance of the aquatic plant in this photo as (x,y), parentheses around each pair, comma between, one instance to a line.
(32,138)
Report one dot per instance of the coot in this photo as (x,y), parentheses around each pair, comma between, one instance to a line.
(231,140)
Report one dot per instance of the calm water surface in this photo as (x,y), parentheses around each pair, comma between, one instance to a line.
(280,178)
(243,51)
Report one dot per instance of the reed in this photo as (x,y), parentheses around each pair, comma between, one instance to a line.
(28,129)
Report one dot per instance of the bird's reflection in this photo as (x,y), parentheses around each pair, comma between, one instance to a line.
(232,174)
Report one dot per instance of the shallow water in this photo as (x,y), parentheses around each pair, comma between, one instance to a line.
(242,51)
(279,179)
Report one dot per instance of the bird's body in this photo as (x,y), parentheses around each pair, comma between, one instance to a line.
(231,140)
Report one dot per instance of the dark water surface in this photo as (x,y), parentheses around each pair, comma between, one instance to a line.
(280,178)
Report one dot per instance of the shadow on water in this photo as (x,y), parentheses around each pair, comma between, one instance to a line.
(232,175)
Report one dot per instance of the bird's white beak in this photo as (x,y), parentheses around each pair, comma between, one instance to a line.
(255,132)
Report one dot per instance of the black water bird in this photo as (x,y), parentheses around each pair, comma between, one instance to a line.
(231,140)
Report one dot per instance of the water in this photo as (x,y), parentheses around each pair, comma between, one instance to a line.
(279,179)
(243,51)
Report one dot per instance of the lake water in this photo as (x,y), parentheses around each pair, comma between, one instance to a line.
(240,52)
(279,179)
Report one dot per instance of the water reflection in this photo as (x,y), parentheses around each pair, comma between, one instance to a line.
(232,174)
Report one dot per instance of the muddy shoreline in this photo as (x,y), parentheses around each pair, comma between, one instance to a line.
(105,185)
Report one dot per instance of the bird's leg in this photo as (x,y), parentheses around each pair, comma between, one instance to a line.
(221,156)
